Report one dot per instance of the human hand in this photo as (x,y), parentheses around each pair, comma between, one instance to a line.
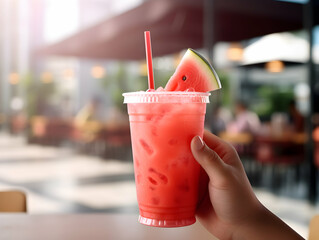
(228,207)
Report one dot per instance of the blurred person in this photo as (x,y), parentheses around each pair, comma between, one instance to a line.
(219,120)
(228,207)
(297,120)
(279,124)
(89,119)
(92,111)
(245,121)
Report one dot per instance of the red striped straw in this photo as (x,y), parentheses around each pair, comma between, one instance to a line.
(148,49)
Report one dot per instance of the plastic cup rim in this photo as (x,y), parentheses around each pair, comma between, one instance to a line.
(166,97)
(204,94)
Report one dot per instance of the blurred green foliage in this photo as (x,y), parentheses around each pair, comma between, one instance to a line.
(272,99)
(226,98)
(162,77)
(37,94)
(115,85)
(123,81)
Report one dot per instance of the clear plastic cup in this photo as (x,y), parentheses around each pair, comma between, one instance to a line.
(162,126)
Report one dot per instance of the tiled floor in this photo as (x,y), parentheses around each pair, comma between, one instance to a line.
(58,180)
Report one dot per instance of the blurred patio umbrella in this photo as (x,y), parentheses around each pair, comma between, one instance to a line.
(176,25)
(278,46)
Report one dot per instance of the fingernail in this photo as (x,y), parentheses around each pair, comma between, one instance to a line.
(198,143)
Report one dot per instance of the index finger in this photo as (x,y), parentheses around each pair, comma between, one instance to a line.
(221,147)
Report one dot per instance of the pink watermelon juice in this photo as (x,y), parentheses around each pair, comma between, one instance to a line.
(166,174)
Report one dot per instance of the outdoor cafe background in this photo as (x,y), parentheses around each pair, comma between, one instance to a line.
(64,66)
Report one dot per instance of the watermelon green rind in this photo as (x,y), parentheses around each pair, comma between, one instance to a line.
(194,72)
(216,80)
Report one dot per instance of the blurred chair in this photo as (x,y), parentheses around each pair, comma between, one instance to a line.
(50,131)
(116,140)
(315,136)
(314,228)
(280,155)
(13,201)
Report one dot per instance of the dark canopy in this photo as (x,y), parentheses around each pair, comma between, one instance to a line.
(176,25)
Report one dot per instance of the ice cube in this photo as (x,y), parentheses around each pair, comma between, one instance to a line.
(190,90)
(162,178)
(152,180)
(159,175)
(160,89)
(146,147)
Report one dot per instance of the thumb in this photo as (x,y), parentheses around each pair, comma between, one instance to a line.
(208,159)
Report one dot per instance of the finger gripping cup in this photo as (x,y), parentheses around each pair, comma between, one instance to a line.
(162,126)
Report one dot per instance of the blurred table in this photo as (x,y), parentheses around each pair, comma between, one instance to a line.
(288,148)
(90,226)
(243,142)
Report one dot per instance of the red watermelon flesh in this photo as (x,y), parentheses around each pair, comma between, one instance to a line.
(194,72)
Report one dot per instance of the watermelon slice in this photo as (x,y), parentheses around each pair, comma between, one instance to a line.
(194,72)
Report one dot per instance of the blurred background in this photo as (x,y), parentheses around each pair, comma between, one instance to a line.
(64,131)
